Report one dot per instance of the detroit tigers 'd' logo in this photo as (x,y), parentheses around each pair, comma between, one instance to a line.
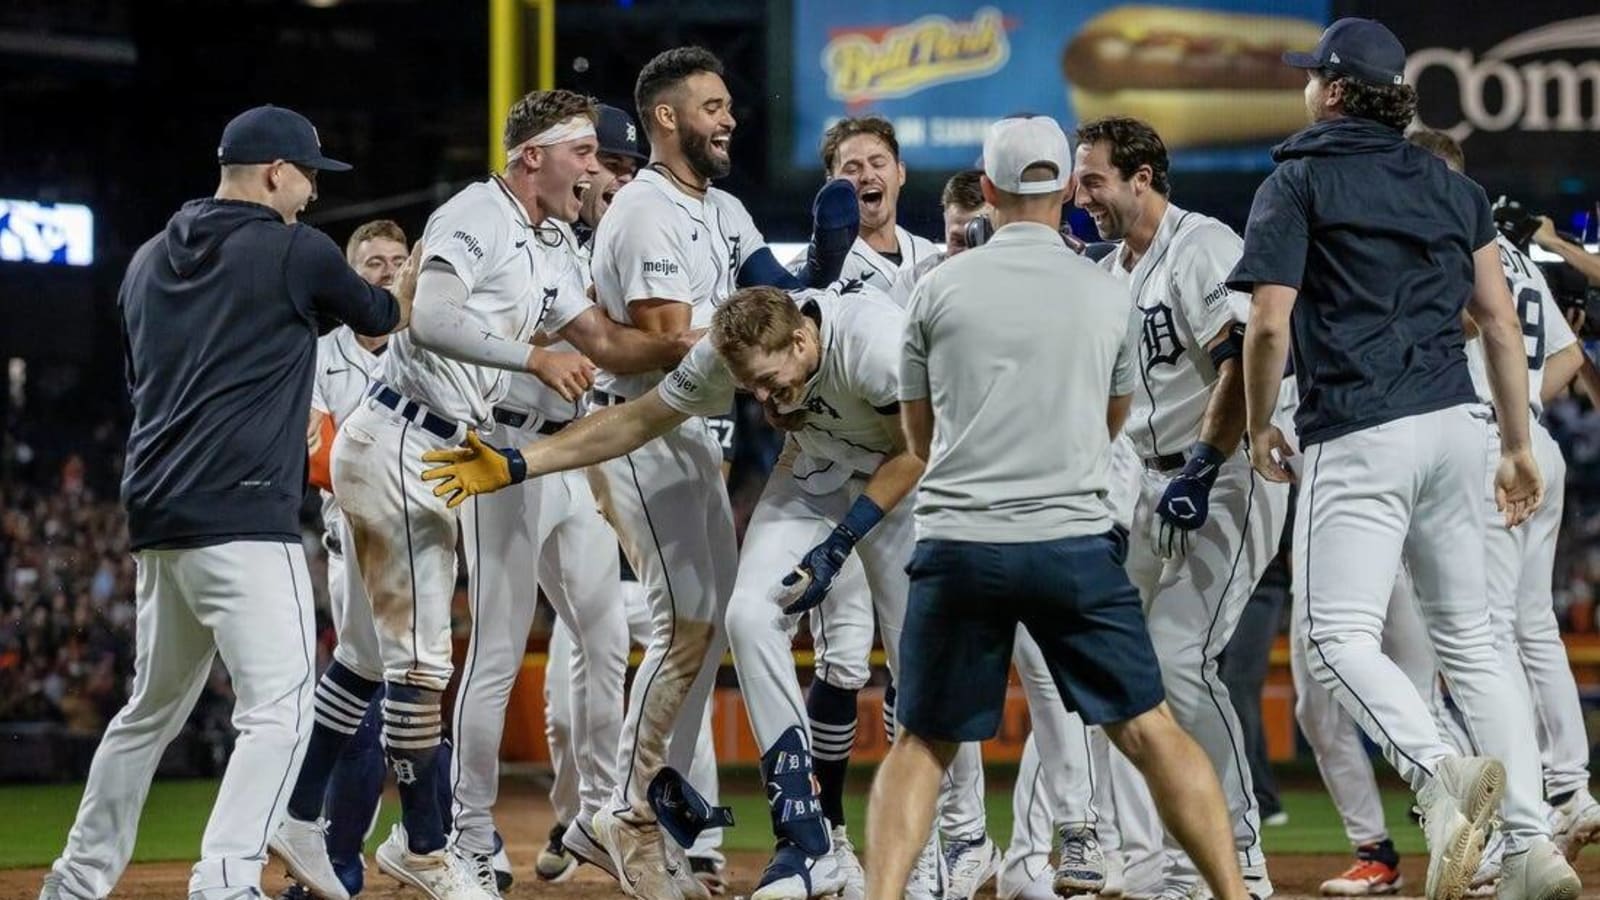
(1160,337)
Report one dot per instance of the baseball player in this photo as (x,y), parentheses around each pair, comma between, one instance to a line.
(220,314)
(620,155)
(1205,526)
(864,152)
(487,287)
(1387,244)
(832,355)
(960,202)
(669,250)
(347,364)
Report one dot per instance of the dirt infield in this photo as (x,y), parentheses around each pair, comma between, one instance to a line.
(525,818)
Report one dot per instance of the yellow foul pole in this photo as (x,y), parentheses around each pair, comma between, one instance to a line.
(506,63)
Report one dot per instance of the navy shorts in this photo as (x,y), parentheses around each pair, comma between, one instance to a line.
(967,599)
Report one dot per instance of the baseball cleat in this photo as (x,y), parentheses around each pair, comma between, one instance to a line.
(1116,875)
(638,856)
(855,878)
(1576,824)
(480,866)
(439,875)
(1457,804)
(1081,867)
(1256,880)
(556,862)
(581,843)
(1539,872)
(1366,877)
(1011,884)
(708,870)
(303,847)
(928,877)
(502,865)
(792,875)
(690,886)
(969,865)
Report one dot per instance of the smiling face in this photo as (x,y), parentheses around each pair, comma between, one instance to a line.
(703,116)
(615,171)
(291,187)
(562,175)
(868,162)
(1110,199)
(777,378)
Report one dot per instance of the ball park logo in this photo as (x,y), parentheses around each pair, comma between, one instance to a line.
(876,63)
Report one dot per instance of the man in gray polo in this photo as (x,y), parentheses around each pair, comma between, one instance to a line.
(1014,376)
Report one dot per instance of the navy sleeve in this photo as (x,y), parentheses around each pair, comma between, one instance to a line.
(1276,237)
(1482,218)
(317,274)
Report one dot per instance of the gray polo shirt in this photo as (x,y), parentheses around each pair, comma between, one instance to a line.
(1018,344)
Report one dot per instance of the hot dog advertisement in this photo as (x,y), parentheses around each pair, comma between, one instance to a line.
(1207,75)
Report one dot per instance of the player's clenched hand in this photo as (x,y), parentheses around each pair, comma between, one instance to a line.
(568,374)
(1518,486)
(1270,453)
(807,585)
(475,468)
(1186,503)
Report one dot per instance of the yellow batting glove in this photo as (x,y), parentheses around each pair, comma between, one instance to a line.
(476,468)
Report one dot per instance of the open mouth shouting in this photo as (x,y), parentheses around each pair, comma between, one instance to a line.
(579,189)
(720,141)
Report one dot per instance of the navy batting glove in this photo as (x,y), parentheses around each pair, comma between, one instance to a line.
(835,220)
(1185,504)
(807,585)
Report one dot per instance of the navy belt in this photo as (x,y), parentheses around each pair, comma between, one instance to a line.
(513,419)
(415,412)
(604,399)
(1166,462)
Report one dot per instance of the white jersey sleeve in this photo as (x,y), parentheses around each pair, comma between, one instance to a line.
(470,234)
(744,235)
(649,253)
(1558,334)
(914,346)
(701,385)
(1210,253)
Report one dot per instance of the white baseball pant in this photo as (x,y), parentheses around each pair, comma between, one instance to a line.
(1520,563)
(545,531)
(558,701)
(250,602)
(1129,825)
(1411,488)
(669,508)
(357,647)
(1045,796)
(1192,604)
(1335,741)
(403,542)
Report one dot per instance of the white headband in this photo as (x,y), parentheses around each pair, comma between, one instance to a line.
(572,129)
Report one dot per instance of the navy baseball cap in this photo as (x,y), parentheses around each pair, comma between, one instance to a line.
(269,133)
(617,134)
(1361,48)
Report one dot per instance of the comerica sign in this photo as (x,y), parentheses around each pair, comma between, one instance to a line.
(1546,79)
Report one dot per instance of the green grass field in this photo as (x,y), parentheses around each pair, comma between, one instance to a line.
(37,818)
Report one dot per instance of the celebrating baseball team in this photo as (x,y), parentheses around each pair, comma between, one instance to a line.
(1017,453)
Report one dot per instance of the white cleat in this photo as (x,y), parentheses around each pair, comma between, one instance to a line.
(480,867)
(792,875)
(1080,867)
(1457,805)
(1576,824)
(928,877)
(1256,880)
(855,877)
(303,847)
(638,856)
(1538,873)
(969,865)
(1014,883)
(438,874)
(691,887)
(582,844)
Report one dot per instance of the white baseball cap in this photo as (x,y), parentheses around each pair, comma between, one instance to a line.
(1014,144)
